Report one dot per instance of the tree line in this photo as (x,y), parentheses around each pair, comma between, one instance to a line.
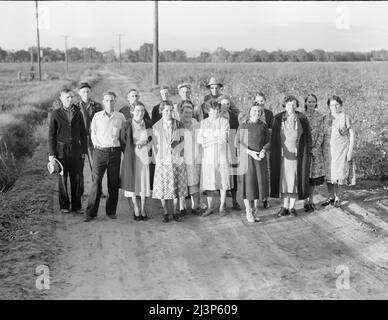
(145,54)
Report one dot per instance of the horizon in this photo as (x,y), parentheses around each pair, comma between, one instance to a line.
(329,26)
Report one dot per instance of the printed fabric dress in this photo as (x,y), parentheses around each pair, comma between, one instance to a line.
(215,172)
(142,161)
(170,180)
(336,146)
(317,167)
(290,133)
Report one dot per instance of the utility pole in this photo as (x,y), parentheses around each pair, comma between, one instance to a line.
(37,33)
(156,46)
(119,35)
(66,55)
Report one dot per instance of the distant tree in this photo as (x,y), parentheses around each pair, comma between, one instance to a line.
(75,54)
(220,55)
(205,57)
(3,55)
(146,52)
(319,55)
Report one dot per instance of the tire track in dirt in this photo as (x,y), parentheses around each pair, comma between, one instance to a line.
(215,257)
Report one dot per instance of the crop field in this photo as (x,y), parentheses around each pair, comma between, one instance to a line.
(363,86)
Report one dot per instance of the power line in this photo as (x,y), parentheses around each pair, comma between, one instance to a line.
(119,35)
(66,54)
(38,42)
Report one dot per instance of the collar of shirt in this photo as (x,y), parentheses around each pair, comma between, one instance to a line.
(105,114)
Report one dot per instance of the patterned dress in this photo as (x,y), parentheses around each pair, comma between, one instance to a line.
(290,133)
(336,146)
(170,181)
(317,168)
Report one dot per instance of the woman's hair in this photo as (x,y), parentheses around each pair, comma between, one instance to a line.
(305,100)
(164,104)
(138,103)
(185,104)
(213,104)
(335,98)
(259,94)
(290,98)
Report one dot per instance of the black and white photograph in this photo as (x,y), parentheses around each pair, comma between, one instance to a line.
(193,151)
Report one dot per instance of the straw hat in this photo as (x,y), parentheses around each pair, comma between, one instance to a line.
(213,81)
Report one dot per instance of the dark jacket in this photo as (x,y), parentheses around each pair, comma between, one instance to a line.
(63,133)
(155,115)
(128,174)
(92,108)
(126,111)
(303,155)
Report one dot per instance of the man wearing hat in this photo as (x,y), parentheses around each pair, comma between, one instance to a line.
(215,92)
(184,91)
(133,97)
(68,144)
(88,108)
(156,114)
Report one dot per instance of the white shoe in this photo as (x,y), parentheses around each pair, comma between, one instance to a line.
(249,215)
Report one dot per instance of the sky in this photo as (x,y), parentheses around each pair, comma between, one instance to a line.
(196,26)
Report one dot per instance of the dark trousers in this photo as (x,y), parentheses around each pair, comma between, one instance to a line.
(109,161)
(72,164)
(86,160)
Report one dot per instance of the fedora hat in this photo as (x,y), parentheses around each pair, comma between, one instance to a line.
(213,81)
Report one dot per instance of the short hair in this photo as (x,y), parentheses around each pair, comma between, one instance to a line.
(66,90)
(131,90)
(290,98)
(164,88)
(260,94)
(164,104)
(185,104)
(335,98)
(305,100)
(109,93)
(138,103)
(214,104)
(223,97)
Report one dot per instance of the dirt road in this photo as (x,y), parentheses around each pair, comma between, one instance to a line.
(217,257)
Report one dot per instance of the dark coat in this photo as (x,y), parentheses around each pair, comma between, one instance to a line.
(155,115)
(92,108)
(62,133)
(303,154)
(126,111)
(127,174)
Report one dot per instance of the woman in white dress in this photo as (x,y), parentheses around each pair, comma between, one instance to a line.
(192,157)
(215,168)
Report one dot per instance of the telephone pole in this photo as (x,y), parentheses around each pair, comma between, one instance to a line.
(119,35)
(156,46)
(37,34)
(66,55)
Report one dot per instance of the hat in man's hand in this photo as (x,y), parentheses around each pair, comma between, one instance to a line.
(182,85)
(214,81)
(55,167)
(84,85)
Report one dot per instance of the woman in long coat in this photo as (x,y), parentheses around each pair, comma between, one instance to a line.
(290,156)
(170,180)
(135,140)
(215,167)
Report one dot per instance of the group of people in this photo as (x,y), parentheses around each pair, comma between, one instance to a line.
(182,151)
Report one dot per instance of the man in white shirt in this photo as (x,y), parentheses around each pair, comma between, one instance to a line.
(105,132)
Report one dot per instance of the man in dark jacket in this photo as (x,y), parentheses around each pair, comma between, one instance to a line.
(88,108)
(68,143)
(156,115)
